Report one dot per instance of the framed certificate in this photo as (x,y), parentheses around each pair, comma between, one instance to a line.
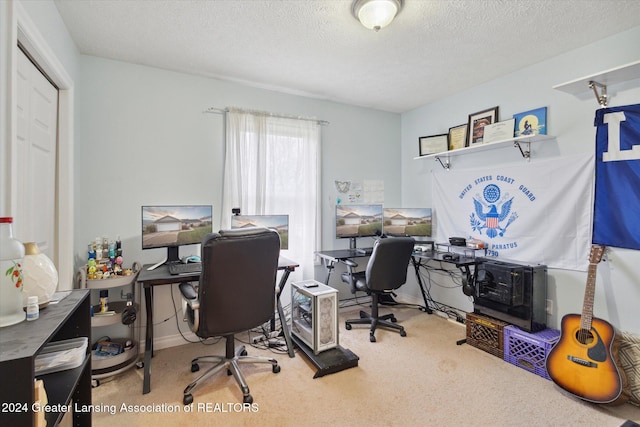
(499,131)
(458,137)
(433,144)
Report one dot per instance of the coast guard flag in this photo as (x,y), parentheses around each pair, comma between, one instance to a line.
(617,201)
(536,213)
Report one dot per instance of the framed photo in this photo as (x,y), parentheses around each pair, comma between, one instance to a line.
(433,144)
(477,122)
(499,131)
(458,137)
(533,122)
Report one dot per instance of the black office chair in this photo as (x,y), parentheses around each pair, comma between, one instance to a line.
(385,272)
(236,293)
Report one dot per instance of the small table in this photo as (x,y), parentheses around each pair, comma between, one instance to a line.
(161,276)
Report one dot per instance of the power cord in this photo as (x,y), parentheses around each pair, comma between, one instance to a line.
(449,311)
(206,341)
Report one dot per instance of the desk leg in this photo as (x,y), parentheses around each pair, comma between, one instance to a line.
(285,330)
(148,345)
(416,266)
(283,319)
(329,265)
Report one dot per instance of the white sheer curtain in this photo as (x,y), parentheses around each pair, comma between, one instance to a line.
(272,167)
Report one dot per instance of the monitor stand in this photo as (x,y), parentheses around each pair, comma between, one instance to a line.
(354,250)
(352,243)
(172,257)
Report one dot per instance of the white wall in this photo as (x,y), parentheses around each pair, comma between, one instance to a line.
(570,120)
(143,139)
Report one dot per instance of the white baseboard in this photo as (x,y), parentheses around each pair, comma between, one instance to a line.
(170,341)
(441,314)
(176,340)
(455,322)
(409,299)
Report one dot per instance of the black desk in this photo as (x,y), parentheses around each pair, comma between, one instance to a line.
(22,342)
(330,258)
(418,259)
(161,276)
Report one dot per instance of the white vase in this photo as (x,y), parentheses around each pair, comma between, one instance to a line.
(11,253)
(39,275)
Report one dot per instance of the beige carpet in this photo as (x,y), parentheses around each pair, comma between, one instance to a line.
(421,379)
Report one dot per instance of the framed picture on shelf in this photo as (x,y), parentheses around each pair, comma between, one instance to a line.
(477,122)
(499,131)
(433,144)
(533,122)
(458,137)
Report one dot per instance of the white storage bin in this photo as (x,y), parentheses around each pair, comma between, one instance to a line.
(61,355)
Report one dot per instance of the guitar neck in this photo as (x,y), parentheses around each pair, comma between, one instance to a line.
(589,294)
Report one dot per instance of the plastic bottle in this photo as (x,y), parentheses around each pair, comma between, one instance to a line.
(104,300)
(33,311)
(11,255)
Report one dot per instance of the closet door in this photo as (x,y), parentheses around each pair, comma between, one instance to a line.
(36,145)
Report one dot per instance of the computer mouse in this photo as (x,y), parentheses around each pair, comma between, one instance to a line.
(190,258)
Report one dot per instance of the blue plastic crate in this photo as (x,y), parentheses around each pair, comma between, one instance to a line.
(529,350)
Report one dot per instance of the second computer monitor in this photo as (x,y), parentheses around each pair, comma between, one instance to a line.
(280,223)
(354,221)
(414,222)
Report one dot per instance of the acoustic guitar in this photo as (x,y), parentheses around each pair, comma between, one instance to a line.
(584,360)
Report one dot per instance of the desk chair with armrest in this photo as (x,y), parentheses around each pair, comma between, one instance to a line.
(385,272)
(236,293)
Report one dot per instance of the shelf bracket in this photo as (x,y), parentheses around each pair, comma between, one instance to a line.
(525,153)
(602,98)
(446,165)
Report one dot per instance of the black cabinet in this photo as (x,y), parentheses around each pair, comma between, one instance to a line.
(19,346)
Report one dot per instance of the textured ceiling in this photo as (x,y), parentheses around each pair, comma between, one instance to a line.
(433,49)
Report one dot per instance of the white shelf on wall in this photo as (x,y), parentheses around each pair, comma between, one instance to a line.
(517,142)
(598,82)
(612,76)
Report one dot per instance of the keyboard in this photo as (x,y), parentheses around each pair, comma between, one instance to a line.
(182,268)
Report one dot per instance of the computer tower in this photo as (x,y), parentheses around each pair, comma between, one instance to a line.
(513,293)
(314,314)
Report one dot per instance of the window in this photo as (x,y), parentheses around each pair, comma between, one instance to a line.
(272,167)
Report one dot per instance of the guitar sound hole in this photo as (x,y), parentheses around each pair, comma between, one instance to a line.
(584,336)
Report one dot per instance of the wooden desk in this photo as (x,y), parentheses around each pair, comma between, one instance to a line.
(161,276)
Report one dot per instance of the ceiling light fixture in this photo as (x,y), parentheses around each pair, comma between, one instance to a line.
(376,14)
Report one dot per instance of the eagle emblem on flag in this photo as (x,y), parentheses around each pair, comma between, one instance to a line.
(491,219)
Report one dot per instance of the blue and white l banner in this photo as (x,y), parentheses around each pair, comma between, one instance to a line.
(616,220)
(536,212)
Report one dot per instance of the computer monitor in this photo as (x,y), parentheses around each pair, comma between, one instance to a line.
(354,221)
(414,222)
(174,226)
(280,223)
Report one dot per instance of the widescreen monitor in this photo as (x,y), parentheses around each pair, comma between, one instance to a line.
(353,221)
(280,223)
(414,222)
(174,226)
